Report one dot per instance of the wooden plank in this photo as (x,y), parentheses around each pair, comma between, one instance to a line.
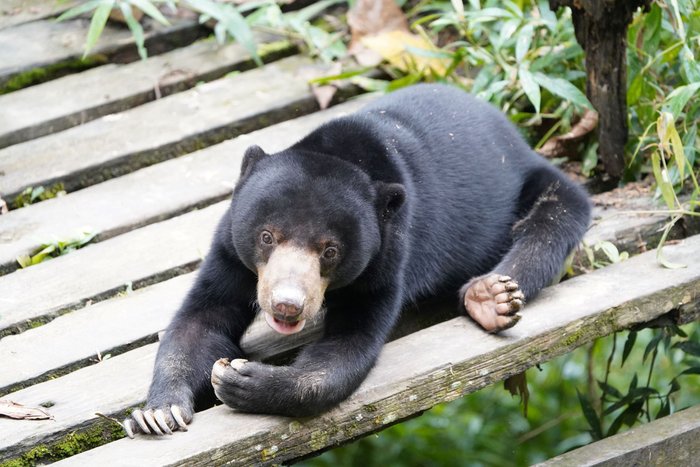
(672,440)
(125,254)
(113,327)
(51,107)
(414,373)
(150,194)
(120,143)
(35,295)
(54,46)
(14,12)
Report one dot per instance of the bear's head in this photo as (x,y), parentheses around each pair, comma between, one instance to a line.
(306,223)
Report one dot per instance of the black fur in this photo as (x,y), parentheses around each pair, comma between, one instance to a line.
(424,189)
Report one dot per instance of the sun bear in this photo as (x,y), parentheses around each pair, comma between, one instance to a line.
(425,192)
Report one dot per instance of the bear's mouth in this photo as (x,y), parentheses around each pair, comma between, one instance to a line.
(284,327)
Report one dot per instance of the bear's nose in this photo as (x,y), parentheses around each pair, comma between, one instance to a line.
(288,303)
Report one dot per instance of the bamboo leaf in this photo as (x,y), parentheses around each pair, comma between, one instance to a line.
(97,24)
(147,7)
(591,416)
(79,10)
(522,44)
(677,149)
(562,88)
(136,29)
(689,347)
(662,180)
(679,97)
(531,88)
(629,345)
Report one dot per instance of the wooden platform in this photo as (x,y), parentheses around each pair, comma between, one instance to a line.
(149,159)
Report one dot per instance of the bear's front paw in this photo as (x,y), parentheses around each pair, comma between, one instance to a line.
(493,301)
(247,386)
(159,419)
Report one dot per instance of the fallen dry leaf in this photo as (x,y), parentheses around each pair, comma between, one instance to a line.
(20,412)
(323,93)
(393,46)
(371,17)
(562,145)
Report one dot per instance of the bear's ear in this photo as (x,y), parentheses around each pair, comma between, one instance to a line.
(252,155)
(390,198)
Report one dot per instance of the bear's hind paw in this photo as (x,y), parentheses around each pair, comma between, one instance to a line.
(493,301)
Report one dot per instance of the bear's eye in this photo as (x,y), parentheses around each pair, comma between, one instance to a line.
(330,253)
(266,238)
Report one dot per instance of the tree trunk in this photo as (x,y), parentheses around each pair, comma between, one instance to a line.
(601,29)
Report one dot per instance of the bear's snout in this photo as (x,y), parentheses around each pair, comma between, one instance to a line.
(287,303)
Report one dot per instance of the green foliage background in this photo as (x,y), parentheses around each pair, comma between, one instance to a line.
(488,428)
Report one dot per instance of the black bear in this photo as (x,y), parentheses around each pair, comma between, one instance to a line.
(413,196)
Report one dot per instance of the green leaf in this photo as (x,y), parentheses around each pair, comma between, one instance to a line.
(147,7)
(136,29)
(97,25)
(531,88)
(590,160)
(634,92)
(609,249)
(629,345)
(662,180)
(522,45)
(24,261)
(564,89)
(679,97)
(591,416)
(609,390)
(370,84)
(664,410)
(693,370)
(651,346)
(689,347)
(79,10)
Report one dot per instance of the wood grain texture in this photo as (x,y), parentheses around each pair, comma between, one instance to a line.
(98,271)
(51,107)
(414,373)
(47,43)
(175,125)
(151,194)
(14,12)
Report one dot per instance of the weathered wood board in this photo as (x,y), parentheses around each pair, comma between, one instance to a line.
(47,43)
(13,12)
(150,194)
(136,257)
(670,441)
(34,295)
(51,107)
(431,366)
(434,365)
(120,143)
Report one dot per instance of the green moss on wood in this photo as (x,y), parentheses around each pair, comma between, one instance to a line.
(71,444)
(49,72)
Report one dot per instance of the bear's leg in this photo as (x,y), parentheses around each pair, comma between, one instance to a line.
(208,326)
(555,214)
(325,372)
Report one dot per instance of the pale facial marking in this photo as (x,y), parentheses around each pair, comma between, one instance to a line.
(290,287)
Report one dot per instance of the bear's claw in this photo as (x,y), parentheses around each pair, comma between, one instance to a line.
(493,301)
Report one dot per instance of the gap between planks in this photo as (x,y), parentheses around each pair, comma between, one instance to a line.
(48,45)
(175,125)
(414,373)
(114,88)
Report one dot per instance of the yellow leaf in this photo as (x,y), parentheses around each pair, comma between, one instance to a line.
(393,46)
